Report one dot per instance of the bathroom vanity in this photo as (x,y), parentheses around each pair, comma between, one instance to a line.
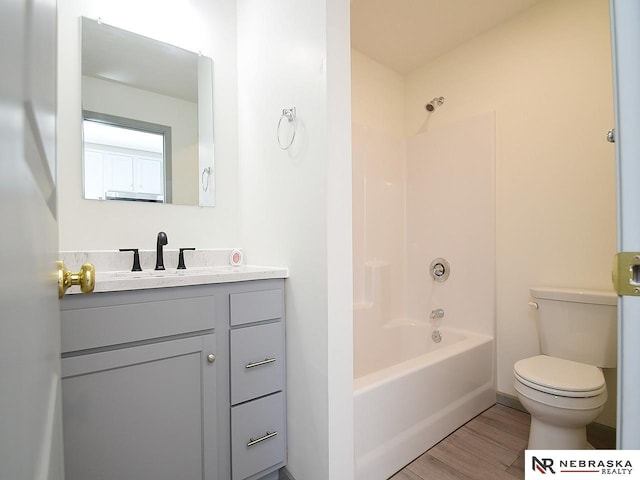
(180,382)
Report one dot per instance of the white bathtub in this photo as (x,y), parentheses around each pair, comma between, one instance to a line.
(409,392)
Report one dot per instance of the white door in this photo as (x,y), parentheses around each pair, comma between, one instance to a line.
(625,17)
(30,419)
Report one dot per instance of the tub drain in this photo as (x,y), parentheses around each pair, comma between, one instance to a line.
(436,336)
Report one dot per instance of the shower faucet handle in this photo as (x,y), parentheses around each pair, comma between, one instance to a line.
(440,269)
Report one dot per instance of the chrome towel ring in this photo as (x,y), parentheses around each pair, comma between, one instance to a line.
(290,115)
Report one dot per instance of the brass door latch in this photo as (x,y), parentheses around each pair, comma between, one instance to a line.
(626,273)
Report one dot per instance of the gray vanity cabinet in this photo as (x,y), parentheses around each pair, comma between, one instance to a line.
(175,383)
(139,386)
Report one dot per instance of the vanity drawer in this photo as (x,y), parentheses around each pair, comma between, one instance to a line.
(101,326)
(252,307)
(257,436)
(257,361)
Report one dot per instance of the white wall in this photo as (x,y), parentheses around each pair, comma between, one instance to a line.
(547,75)
(377,96)
(378,135)
(295,210)
(197,25)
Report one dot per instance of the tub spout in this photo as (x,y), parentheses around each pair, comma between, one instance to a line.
(437,313)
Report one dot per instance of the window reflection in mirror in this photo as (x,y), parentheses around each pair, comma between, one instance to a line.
(133,82)
(126,159)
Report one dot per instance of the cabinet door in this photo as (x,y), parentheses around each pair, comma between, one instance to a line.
(146,412)
(148,175)
(118,172)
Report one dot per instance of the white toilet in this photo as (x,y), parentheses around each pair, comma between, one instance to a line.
(564,389)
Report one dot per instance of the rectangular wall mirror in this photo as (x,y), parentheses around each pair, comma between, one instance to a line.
(147,119)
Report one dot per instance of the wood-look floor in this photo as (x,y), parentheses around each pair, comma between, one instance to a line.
(490,446)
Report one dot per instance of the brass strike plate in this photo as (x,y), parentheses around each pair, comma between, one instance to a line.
(626,273)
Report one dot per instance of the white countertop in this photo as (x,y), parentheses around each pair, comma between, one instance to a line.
(112,270)
(119,281)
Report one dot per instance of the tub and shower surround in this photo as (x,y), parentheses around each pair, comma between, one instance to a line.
(432,196)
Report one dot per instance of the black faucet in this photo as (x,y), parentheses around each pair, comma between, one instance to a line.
(162,240)
(136,258)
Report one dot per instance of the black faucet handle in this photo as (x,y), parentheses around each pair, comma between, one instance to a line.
(136,258)
(181,265)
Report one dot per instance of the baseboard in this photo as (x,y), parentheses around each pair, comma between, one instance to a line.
(285,475)
(601,436)
(509,401)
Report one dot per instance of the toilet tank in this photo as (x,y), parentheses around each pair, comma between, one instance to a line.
(578,325)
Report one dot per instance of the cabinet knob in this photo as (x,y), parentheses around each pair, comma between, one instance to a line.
(211,358)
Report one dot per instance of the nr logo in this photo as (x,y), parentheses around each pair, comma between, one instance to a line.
(542,465)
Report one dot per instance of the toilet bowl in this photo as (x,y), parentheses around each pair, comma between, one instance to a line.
(562,397)
(564,388)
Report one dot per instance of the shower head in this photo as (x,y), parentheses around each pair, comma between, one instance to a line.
(436,102)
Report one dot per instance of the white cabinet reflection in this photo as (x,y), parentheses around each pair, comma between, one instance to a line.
(123,163)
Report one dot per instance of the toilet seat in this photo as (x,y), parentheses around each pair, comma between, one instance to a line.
(557,376)
(558,403)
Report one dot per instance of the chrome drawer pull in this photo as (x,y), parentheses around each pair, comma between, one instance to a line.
(267,436)
(258,364)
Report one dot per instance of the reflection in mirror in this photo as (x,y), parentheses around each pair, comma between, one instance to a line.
(126,159)
(147,119)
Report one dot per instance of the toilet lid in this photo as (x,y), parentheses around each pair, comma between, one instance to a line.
(556,375)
